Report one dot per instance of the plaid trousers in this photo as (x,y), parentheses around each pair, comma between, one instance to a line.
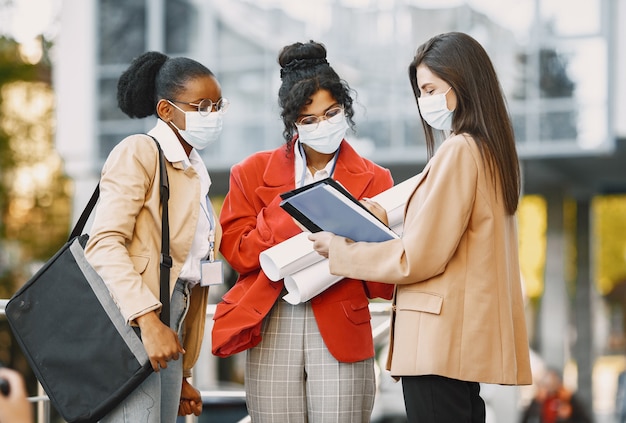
(291,376)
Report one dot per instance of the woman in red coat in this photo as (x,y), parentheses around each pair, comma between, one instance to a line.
(313,361)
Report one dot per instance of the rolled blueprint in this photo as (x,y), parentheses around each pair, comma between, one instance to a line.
(288,257)
(305,272)
(308,282)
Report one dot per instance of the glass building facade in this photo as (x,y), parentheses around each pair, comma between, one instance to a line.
(551,55)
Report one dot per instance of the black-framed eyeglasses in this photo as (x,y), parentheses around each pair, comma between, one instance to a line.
(310,123)
(206,105)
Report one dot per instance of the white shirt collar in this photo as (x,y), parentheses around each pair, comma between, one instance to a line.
(300,165)
(171,146)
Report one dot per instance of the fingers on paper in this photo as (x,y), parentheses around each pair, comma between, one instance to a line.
(321,242)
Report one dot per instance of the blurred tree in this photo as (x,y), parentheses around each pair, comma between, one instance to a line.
(609,250)
(34,193)
(609,227)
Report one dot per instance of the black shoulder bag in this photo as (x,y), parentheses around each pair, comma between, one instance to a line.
(72,333)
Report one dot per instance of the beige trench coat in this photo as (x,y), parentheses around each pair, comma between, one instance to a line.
(458,309)
(125,241)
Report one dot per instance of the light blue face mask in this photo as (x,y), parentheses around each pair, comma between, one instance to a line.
(200,131)
(326,138)
(434,110)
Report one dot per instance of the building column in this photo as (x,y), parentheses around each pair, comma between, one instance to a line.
(553,310)
(77,103)
(583,300)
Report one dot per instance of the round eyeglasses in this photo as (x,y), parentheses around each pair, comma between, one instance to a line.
(206,105)
(310,123)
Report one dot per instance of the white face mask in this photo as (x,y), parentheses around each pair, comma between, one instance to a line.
(200,131)
(326,138)
(434,110)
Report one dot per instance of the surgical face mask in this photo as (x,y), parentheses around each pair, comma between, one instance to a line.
(326,138)
(434,110)
(200,131)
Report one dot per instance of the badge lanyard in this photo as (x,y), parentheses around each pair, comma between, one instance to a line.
(210,216)
(211,270)
(303,154)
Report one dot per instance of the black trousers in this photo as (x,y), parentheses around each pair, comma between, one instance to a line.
(438,399)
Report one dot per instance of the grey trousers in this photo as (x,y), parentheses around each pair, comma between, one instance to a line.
(156,400)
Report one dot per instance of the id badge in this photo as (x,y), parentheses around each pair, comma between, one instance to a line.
(211,272)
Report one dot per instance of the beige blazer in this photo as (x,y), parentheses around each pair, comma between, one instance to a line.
(458,309)
(125,239)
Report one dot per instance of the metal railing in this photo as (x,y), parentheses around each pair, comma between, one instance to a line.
(379,332)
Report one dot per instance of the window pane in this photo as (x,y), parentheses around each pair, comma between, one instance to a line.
(558,126)
(107,102)
(519,127)
(180,23)
(588,68)
(122,30)
(572,17)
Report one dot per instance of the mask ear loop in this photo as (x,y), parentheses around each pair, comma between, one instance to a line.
(171,122)
(445,96)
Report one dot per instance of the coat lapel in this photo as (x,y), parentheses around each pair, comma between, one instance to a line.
(351,170)
(279,176)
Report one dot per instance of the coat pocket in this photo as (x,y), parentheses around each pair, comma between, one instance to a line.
(357,313)
(223,308)
(426,302)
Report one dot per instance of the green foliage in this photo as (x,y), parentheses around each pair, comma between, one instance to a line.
(12,67)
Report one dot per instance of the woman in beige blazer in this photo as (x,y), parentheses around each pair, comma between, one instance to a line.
(458,316)
(125,242)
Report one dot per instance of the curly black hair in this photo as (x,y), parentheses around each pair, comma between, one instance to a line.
(151,77)
(304,71)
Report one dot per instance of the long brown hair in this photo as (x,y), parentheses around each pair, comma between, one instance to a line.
(481,109)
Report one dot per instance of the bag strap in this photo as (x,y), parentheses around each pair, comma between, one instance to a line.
(82,220)
(166,259)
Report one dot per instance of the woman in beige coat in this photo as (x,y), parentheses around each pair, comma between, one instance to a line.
(125,241)
(458,316)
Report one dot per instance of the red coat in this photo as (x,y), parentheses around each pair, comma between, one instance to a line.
(252,221)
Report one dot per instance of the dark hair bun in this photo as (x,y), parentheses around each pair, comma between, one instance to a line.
(136,88)
(301,56)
